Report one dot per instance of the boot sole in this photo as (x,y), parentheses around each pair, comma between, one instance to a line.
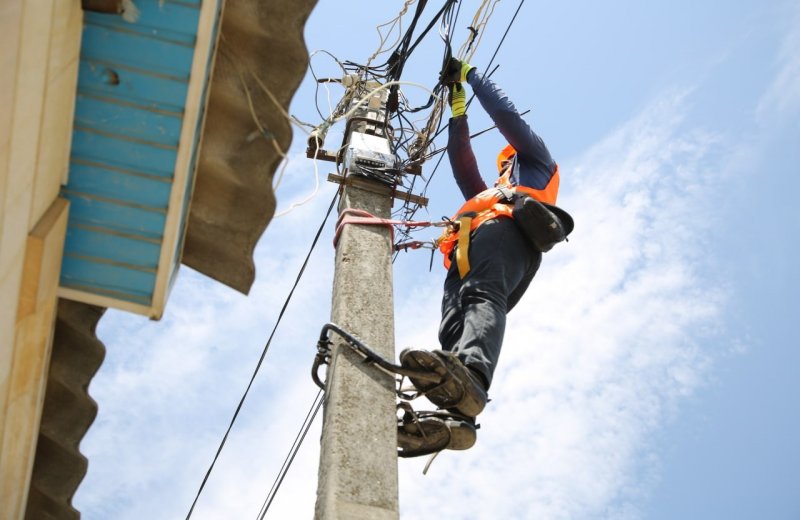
(448,394)
(433,434)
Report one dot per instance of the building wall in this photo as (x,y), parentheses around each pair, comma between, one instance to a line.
(39,47)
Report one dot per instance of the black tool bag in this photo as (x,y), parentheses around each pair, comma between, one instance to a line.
(544,225)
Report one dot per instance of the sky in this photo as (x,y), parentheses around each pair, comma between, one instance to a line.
(650,371)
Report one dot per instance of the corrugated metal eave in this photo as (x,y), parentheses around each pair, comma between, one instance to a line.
(68,412)
(261,47)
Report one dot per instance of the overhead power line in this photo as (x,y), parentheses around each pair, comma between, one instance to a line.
(287,463)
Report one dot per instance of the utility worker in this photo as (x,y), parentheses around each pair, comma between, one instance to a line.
(491,260)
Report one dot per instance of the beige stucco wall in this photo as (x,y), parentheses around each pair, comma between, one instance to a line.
(39,48)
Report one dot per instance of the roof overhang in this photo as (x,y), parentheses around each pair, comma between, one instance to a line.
(260,62)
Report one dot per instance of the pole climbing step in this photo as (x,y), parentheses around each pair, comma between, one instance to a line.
(370,356)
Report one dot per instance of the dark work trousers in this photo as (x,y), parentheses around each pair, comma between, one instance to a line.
(502,265)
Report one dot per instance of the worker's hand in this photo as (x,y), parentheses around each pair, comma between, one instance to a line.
(457,99)
(455,72)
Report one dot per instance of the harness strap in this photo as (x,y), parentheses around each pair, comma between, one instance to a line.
(462,251)
(507,194)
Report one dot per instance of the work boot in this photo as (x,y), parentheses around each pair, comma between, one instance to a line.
(459,390)
(424,433)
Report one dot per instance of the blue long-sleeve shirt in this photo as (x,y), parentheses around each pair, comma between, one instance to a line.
(533,165)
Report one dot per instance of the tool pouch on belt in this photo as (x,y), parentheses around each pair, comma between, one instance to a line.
(544,225)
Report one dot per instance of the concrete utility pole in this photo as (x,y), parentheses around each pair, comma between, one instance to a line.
(358,459)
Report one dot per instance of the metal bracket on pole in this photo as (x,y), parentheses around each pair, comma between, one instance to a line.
(366,184)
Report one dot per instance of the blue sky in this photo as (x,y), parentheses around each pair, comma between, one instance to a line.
(648,373)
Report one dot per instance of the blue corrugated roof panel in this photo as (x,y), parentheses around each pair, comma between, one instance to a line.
(135,122)
(126,186)
(107,279)
(122,151)
(140,51)
(89,242)
(126,84)
(133,83)
(134,220)
(158,17)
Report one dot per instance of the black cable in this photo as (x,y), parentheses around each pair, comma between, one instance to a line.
(396,62)
(437,151)
(497,49)
(397,59)
(447,6)
(261,359)
(449,17)
(287,462)
(401,54)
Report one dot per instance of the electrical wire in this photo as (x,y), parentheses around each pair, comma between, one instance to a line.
(503,39)
(317,79)
(261,359)
(390,72)
(287,462)
(396,21)
(374,91)
(308,198)
(412,210)
(479,23)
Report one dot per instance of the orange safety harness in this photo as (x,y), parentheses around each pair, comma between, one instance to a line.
(489,204)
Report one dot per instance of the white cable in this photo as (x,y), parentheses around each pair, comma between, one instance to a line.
(295,205)
(285,163)
(479,22)
(279,178)
(397,21)
(284,158)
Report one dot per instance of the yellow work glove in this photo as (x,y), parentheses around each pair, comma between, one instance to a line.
(455,71)
(465,68)
(457,99)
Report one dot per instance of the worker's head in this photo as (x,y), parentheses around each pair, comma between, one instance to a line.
(504,158)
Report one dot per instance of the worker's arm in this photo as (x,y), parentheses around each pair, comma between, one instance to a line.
(536,164)
(462,158)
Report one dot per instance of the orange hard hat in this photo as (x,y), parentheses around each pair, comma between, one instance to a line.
(505,154)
